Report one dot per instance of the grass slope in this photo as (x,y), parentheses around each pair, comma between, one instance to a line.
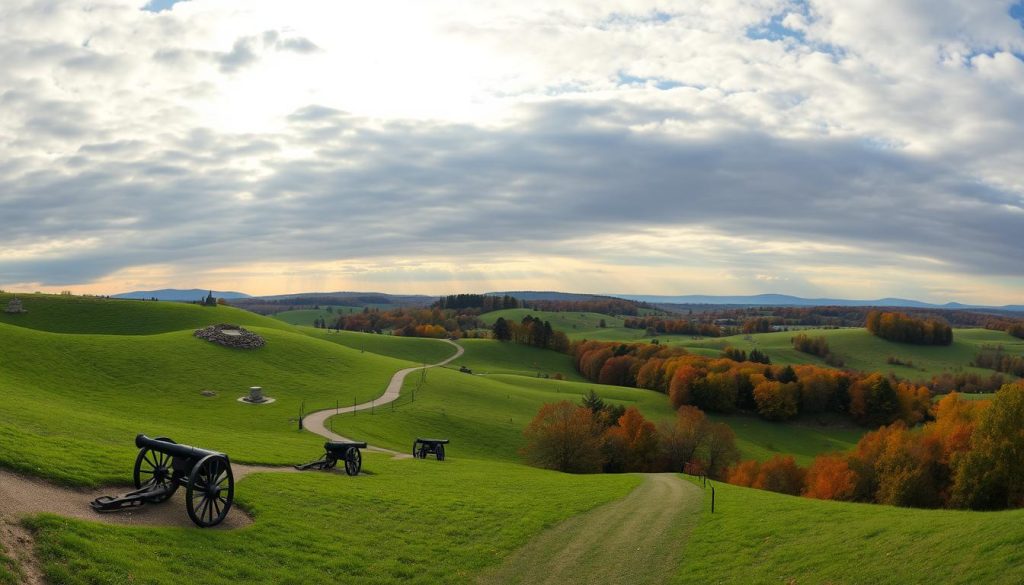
(484,416)
(73,403)
(756,536)
(862,351)
(761,440)
(575,325)
(495,357)
(413,349)
(411,522)
(70,314)
(8,569)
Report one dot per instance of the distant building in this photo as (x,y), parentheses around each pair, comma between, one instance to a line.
(209,301)
(14,306)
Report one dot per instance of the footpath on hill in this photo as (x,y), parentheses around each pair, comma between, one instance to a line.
(315,422)
(25,496)
(638,539)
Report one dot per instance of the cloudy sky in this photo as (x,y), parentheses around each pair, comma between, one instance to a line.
(819,148)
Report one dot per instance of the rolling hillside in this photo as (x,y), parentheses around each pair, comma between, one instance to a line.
(98,315)
(862,351)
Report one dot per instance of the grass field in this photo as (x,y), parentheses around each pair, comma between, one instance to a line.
(77,401)
(413,349)
(8,569)
(862,351)
(575,325)
(409,522)
(484,415)
(803,439)
(495,357)
(306,317)
(756,536)
(72,403)
(96,315)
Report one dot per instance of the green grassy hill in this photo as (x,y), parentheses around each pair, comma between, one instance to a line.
(71,314)
(409,522)
(494,357)
(414,349)
(73,403)
(575,325)
(484,415)
(756,537)
(85,375)
(862,351)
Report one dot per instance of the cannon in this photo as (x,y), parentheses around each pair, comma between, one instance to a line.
(423,447)
(163,465)
(347,451)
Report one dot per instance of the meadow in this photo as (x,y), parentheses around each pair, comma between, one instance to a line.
(757,536)
(862,351)
(75,394)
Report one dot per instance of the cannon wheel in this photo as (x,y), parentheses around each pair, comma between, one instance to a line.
(439,452)
(415,451)
(205,500)
(330,461)
(353,461)
(152,469)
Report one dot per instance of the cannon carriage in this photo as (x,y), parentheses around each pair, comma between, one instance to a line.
(162,466)
(422,447)
(334,451)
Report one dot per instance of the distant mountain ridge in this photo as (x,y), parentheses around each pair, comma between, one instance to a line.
(177,294)
(778,300)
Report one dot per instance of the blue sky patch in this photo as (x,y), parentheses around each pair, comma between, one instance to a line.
(160,5)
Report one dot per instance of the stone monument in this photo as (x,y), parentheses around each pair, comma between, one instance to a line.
(15,306)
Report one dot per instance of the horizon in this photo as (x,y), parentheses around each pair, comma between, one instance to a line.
(819,148)
(627,296)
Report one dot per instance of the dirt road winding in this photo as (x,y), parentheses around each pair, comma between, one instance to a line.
(638,539)
(315,422)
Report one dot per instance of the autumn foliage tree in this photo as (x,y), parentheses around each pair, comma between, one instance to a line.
(565,437)
(903,328)
(562,433)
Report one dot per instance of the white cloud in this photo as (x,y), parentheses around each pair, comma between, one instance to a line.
(819,134)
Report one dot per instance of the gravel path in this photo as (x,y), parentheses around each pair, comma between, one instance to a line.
(638,539)
(25,496)
(315,422)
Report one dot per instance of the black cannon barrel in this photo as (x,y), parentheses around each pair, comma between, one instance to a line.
(440,441)
(173,449)
(333,446)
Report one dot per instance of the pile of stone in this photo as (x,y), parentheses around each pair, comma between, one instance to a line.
(230,336)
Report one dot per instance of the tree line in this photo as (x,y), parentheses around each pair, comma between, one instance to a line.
(903,328)
(773,392)
(994,357)
(816,346)
(434,322)
(606,306)
(530,331)
(485,303)
(968,457)
(595,437)
(668,326)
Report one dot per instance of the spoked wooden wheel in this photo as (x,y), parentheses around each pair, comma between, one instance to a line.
(415,452)
(440,452)
(153,470)
(330,461)
(211,491)
(353,461)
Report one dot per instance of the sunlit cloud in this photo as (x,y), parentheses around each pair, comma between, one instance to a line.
(818,147)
